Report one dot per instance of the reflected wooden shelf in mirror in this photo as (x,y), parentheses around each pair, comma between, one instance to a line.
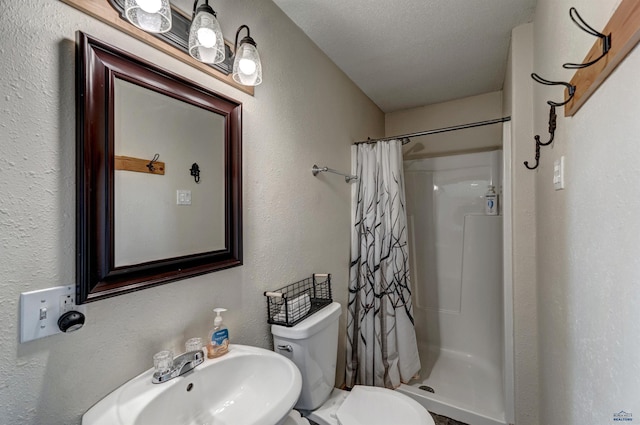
(138,165)
(136,230)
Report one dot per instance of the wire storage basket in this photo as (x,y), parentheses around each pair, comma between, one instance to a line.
(295,302)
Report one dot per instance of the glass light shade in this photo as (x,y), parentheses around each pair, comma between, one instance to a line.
(247,69)
(206,43)
(149,15)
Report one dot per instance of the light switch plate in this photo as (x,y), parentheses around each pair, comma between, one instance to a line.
(184,197)
(558,173)
(40,311)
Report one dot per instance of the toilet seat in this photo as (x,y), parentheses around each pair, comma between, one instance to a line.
(365,405)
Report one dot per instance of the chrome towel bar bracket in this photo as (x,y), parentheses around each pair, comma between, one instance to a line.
(347,177)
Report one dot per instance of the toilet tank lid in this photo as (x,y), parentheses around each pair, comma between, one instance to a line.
(311,325)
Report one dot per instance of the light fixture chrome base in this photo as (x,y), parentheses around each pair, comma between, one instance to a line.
(178,36)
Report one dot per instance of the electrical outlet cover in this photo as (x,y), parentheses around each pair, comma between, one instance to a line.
(40,311)
(184,197)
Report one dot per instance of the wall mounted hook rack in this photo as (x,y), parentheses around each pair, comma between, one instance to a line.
(606,40)
(624,29)
(552,115)
(139,165)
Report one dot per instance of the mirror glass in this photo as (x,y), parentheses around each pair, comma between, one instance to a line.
(159,175)
(151,221)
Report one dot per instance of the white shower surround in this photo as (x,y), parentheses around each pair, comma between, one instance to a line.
(462,344)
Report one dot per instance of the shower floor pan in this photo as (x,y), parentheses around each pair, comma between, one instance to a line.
(464,389)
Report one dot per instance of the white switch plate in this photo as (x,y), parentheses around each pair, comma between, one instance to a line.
(184,197)
(40,311)
(558,173)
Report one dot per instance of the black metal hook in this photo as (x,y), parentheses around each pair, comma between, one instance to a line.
(150,164)
(606,40)
(552,115)
(571,88)
(552,131)
(195,172)
(526,163)
(552,126)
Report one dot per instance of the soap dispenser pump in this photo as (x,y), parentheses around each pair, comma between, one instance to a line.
(218,343)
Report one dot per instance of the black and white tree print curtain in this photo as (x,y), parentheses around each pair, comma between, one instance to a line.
(381,340)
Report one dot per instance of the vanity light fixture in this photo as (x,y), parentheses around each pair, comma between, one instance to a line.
(206,43)
(149,15)
(247,69)
(205,40)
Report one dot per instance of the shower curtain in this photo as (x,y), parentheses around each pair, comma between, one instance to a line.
(381,340)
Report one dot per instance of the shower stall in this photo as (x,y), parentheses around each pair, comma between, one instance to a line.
(461,317)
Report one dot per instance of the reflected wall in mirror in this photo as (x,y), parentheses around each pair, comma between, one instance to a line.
(141,225)
(151,221)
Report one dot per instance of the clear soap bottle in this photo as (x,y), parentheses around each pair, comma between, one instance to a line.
(218,343)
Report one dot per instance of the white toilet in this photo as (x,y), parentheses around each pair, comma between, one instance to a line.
(312,345)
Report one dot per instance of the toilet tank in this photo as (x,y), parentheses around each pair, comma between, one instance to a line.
(314,349)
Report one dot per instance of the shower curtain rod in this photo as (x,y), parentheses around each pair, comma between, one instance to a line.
(405,137)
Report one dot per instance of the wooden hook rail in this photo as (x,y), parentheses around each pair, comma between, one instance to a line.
(624,28)
(139,165)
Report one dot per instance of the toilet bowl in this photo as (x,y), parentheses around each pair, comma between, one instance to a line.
(312,345)
(294,418)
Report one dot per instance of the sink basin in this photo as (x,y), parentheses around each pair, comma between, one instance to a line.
(249,385)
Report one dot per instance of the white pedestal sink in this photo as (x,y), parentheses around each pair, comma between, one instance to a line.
(247,386)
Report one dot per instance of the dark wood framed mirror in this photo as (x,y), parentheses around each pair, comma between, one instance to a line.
(143,218)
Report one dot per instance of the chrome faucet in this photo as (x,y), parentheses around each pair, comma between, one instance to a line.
(182,364)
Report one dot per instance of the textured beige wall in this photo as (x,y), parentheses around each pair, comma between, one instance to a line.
(461,111)
(305,112)
(518,95)
(588,235)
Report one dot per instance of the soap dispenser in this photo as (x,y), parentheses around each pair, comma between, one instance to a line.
(491,201)
(218,343)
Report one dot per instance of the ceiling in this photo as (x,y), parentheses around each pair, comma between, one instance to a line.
(409,53)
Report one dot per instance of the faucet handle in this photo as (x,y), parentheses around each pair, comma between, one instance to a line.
(193,344)
(163,362)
